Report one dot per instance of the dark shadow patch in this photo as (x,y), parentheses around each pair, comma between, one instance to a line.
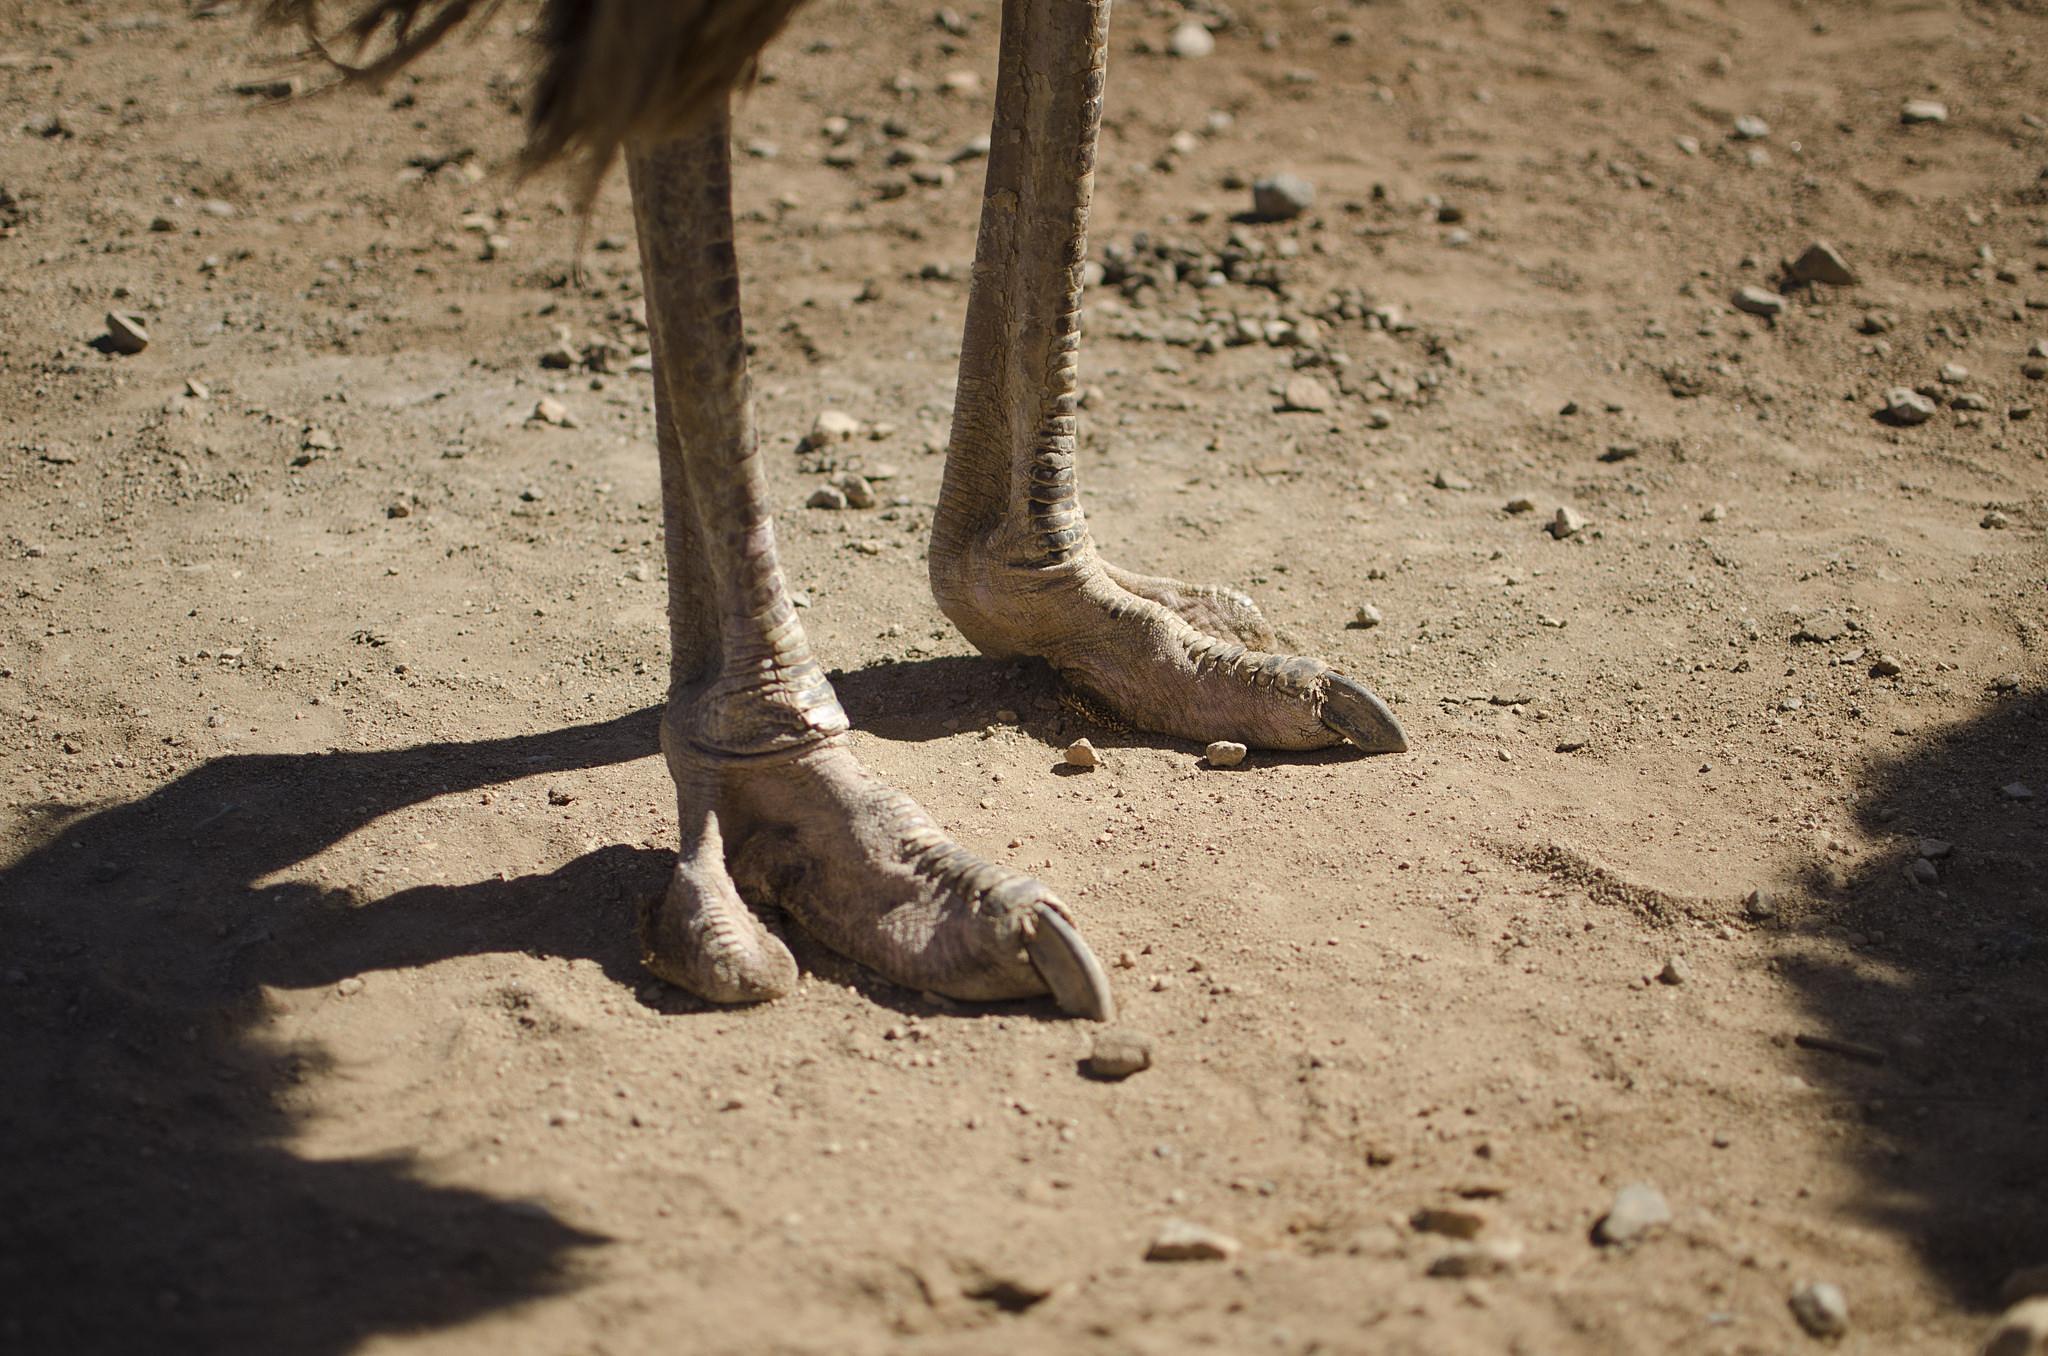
(1929,997)
(146,1196)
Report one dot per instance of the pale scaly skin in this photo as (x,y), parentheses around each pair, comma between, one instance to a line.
(1012,564)
(774,806)
(772,803)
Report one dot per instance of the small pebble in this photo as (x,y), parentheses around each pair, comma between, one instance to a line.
(1566,522)
(1923,110)
(126,333)
(1714,514)
(1180,1241)
(2016,791)
(831,426)
(1118,1053)
(826,497)
(859,494)
(1367,617)
(1639,1212)
(1675,971)
(1887,666)
(1759,301)
(1081,753)
(1451,480)
(548,410)
(1304,394)
(1521,503)
(1450,1221)
(1282,197)
(1749,127)
(1225,753)
(1923,871)
(1821,1309)
(1906,407)
(1821,262)
(1994,520)
(1191,41)
(1478,1259)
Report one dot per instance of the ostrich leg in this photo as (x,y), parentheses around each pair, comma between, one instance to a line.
(774,807)
(1011,561)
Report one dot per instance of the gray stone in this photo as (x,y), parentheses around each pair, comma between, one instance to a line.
(1749,127)
(1282,197)
(1923,871)
(1566,522)
(1923,110)
(859,494)
(1887,666)
(1118,1053)
(1181,1241)
(1450,480)
(1821,1309)
(1675,972)
(1639,1212)
(1759,301)
(1225,753)
(1906,407)
(2016,791)
(1367,617)
(826,497)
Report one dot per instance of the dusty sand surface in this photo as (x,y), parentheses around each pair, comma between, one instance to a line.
(327,680)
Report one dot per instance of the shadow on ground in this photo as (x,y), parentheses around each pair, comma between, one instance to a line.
(148,1194)
(1951,995)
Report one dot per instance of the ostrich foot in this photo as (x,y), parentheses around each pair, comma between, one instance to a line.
(1164,656)
(864,870)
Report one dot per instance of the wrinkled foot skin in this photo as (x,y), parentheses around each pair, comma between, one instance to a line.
(866,872)
(1168,658)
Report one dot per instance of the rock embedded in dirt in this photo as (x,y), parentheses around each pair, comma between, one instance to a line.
(1759,301)
(1081,753)
(829,497)
(1492,1258)
(1821,628)
(1225,753)
(1118,1053)
(1451,480)
(1639,1212)
(126,333)
(558,358)
(1821,262)
(1749,127)
(316,439)
(1305,395)
(2016,791)
(1905,407)
(1923,871)
(1282,197)
(1191,41)
(1521,503)
(1821,1308)
(1953,374)
(1714,513)
(1367,617)
(1178,1240)
(1994,520)
(2021,1331)
(1886,666)
(1450,1221)
(1566,522)
(548,410)
(1675,972)
(1915,111)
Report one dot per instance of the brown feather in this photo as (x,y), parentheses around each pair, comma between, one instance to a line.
(609,71)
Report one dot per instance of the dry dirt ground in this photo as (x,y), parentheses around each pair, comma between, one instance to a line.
(327,679)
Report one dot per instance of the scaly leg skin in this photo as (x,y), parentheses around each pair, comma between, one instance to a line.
(774,808)
(1012,564)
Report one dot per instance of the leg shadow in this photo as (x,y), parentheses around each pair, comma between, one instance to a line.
(148,1198)
(1945,981)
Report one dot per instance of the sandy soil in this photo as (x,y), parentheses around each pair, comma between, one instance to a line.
(327,682)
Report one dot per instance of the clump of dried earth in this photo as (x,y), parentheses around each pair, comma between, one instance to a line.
(334,627)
